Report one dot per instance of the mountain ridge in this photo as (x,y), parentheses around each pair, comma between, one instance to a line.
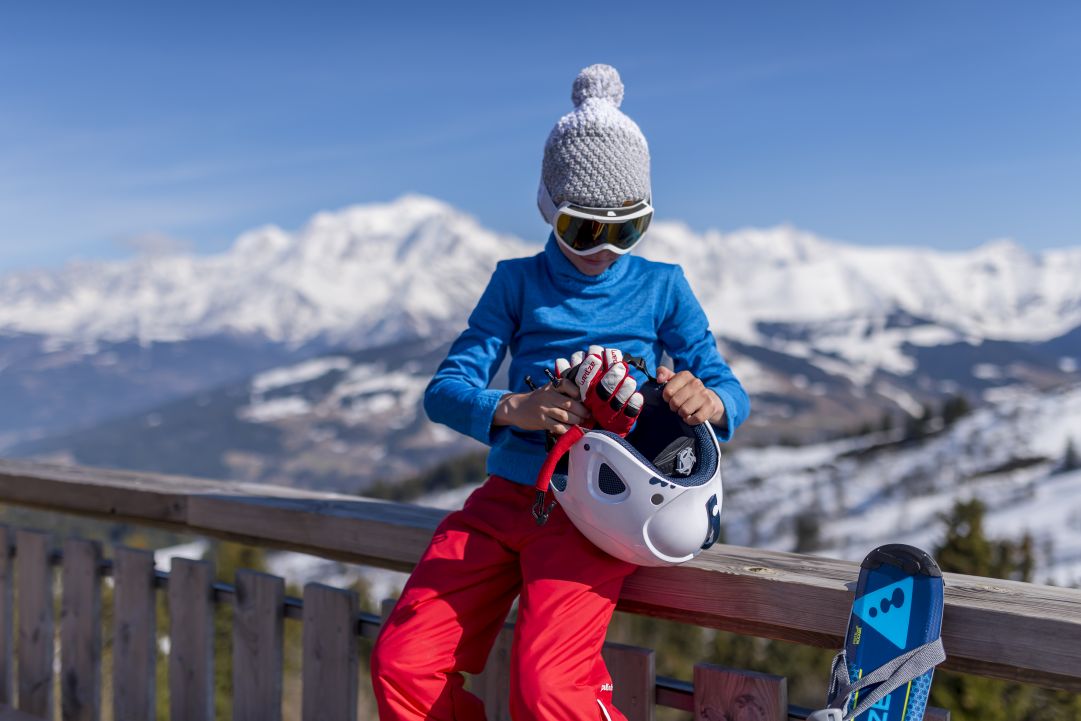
(337,277)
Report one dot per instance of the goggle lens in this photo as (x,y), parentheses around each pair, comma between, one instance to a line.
(585,234)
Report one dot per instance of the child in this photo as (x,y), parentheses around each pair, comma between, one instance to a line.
(582,290)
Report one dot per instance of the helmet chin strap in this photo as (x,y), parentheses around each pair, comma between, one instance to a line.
(544,478)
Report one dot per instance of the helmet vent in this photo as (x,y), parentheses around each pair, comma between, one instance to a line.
(609,481)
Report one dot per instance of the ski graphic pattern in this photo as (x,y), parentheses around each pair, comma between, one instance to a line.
(898,607)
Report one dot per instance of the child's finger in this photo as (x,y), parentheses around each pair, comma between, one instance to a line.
(577,357)
(562,366)
(557,428)
(568,390)
(575,418)
(575,406)
(691,396)
(634,405)
(674,384)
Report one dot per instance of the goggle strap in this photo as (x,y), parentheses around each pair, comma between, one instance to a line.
(549,210)
(547,207)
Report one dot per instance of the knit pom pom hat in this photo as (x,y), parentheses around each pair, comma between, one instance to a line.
(595,155)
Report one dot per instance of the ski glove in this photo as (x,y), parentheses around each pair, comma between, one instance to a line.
(605,386)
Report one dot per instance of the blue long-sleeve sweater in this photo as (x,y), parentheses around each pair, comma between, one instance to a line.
(542,308)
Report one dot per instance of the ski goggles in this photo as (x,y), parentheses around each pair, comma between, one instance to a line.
(585,231)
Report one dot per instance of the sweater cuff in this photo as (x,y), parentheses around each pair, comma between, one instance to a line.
(484,403)
(728,427)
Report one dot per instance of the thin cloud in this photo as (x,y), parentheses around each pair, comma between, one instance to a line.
(154,244)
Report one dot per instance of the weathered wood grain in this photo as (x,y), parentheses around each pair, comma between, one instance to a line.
(80,631)
(776,595)
(634,677)
(135,648)
(257,647)
(331,661)
(191,641)
(7,599)
(36,626)
(9,714)
(723,694)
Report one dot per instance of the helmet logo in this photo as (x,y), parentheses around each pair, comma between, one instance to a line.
(685,462)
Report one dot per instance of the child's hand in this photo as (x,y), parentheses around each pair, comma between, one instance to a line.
(688,396)
(545,409)
(604,385)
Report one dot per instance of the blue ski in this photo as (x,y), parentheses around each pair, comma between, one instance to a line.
(892,643)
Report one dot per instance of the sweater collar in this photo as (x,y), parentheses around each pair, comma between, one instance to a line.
(565,272)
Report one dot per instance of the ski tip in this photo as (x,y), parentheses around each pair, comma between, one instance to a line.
(909,559)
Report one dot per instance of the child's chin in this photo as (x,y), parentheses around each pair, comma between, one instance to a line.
(591,265)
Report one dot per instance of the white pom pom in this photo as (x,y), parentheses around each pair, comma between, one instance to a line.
(598,81)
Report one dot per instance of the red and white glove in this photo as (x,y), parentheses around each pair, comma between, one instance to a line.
(605,386)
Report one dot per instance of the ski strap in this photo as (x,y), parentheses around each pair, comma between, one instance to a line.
(889,676)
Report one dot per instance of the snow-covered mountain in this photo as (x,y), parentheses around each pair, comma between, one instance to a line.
(854,310)
(827,336)
(358,277)
(863,492)
(370,274)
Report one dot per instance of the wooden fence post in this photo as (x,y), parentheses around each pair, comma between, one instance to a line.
(634,677)
(36,637)
(80,631)
(7,598)
(135,642)
(723,693)
(191,640)
(257,646)
(331,659)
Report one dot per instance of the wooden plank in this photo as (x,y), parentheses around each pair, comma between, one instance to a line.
(36,631)
(790,597)
(634,677)
(722,693)
(257,647)
(9,714)
(493,684)
(806,599)
(134,636)
(331,658)
(7,599)
(80,631)
(388,535)
(191,640)
(386,606)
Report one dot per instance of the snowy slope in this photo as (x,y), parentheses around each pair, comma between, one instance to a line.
(864,492)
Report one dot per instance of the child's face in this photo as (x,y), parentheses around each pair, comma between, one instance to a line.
(590,264)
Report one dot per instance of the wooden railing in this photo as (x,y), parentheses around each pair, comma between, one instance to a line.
(1000,629)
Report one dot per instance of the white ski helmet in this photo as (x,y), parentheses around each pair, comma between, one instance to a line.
(657,512)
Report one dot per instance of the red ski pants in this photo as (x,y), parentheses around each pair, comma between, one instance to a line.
(458,597)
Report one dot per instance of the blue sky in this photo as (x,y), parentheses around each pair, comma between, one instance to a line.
(154,124)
